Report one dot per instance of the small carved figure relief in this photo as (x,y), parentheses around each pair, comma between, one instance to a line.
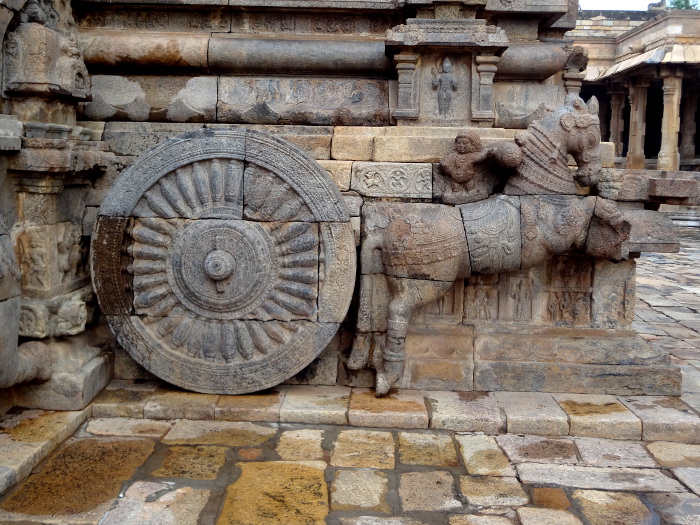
(34,258)
(69,253)
(39,12)
(42,59)
(444,82)
(469,178)
(472,172)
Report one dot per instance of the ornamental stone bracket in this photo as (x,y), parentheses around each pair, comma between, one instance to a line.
(446,61)
(41,59)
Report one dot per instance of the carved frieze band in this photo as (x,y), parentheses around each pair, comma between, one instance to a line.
(393,179)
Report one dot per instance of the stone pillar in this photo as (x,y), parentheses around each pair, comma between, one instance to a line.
(688,124)
(406,105)
(669,157)
(573,82)
(483,113)
(617,105)
(638,106)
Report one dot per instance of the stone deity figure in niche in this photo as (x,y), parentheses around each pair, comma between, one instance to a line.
(445,83)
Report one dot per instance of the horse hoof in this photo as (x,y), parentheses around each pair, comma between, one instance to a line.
(382,386)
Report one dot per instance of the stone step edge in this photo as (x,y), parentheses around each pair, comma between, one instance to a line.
(682,423)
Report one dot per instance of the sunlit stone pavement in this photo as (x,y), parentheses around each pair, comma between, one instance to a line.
(148,455)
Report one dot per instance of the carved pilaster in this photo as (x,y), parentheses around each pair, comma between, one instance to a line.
(50,181)
(407,103)
(617,105)
(482,100)
(669,157)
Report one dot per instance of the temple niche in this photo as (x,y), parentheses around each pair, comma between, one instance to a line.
(395,193)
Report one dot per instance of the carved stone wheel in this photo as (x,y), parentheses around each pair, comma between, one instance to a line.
(224,260)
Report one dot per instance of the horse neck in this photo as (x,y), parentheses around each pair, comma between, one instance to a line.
(544,168)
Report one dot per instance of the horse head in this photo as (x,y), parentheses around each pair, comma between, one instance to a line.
(581,137)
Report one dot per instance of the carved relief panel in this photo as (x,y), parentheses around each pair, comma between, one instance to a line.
(224,260)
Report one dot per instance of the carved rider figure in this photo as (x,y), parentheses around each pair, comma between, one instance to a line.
(469,180)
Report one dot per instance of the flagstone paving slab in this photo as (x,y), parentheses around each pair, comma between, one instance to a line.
(289,492)
(301,445)
(175,404)
(465,412)
(489,491)
(676,508)
(604,478)
(228,434)
(398,409)
(364,449)
(670,454)
(604,508)
(316,405)
(599,416)
(19,459)
(262,406)
(149,503)
(428,491)
(535,516)
(690,476)
(26,438)
(123,399)
(8,478)
(665,418)
(360,490)
(483,457)
(437,450)
(374,520)
(533,413)
(536,449)
(610,453)
(123,426)
(480,520)
(80,481)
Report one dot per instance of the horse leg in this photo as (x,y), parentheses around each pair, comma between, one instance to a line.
(406,296)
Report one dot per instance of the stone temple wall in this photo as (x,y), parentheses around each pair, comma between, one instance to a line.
(372,94)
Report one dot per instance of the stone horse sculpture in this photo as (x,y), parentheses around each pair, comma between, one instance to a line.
(423,248)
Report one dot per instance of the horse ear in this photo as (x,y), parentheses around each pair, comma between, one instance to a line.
(593,106)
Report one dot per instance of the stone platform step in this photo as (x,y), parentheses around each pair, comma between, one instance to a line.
(647,418)
(29,436)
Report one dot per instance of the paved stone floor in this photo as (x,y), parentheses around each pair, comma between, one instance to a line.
(144,454)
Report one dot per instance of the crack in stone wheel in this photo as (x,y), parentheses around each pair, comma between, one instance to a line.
(224,260)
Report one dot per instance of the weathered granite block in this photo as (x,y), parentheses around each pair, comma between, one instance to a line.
(143,98)
(577,378)
(303,101)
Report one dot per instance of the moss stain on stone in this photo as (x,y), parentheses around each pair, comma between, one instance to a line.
(201,462)
(575,408)
(80,477)
(548,448)
(44,427)
(368,402)
(492,460)
(226,438)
